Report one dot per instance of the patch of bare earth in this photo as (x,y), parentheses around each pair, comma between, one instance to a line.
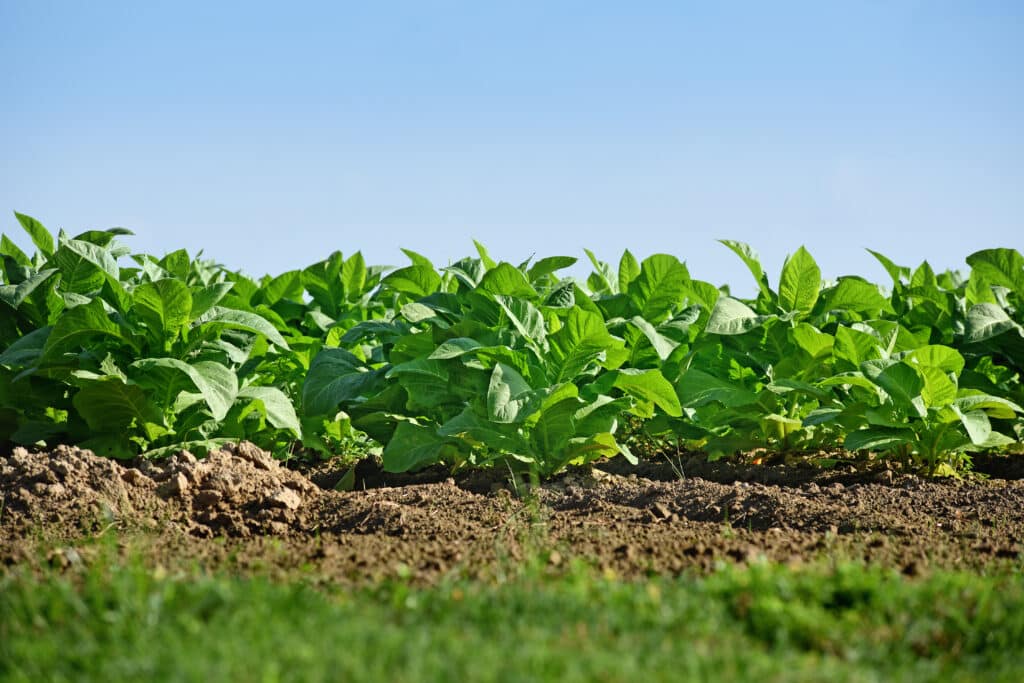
(238,509)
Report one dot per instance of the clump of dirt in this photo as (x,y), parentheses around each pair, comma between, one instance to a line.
(70,489)
(238,491)
(238,508)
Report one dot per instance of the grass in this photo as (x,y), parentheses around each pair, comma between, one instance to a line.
(119,620)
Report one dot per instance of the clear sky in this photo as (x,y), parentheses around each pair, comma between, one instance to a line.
(272,134)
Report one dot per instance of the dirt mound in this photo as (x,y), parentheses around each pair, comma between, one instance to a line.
(237,491)
(238,507)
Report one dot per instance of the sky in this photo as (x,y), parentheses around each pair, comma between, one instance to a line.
(270,134)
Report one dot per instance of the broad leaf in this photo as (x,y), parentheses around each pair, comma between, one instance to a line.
(15,295)
(800,282)
(40,236)
(549,265)
(985,321)
(583,339)
(217,384)
(417,281)
(1004,267)
(877,439)
(731,316)
(649,385)
(697,388)
(508,280)
(414,446)
(165,306)
(663,346)
(660,287)
(509,397)
(279,409)
(78,325)
(902,382)
(111,405)
(629,270)
(242,320)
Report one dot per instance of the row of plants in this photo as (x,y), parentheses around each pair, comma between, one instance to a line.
(483,362)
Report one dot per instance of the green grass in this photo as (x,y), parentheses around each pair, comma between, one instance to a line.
(119,621)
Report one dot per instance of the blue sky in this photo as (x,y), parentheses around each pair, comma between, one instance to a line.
(272,134)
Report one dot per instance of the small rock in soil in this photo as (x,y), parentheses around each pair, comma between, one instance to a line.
(175,486)
(284,498)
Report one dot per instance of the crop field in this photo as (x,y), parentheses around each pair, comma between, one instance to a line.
(495,471)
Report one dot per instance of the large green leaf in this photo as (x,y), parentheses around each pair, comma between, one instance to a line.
(509,397)
(660,287)
(84,267)
(468,425)
(176,263)
(662,345)
(877,439)
(217,384)
(455,348)
(938,390)
(484,256)
(944,358)
(602,414)
(109,405)
(815,343)
(629,270)
(800,282)
(697,388)
(901,381)
(649,385)
(414,446)
(554,427)
(855,346)
(26,349)
(584,449)
(549,265)
(994,406)
(508,280)
(354,276)
(9,249)
(524,316)
(287,285)
(426,382)
(857,295)
(977,426)
(323,281)
(242,320)
(418,259)
(205,298)
(985,321)
(279,409)
(1004,267)
(731,316)
(335,377)
(78,325)
(417,281)
(15,295)
(39,235)
(165,306)
(582,340)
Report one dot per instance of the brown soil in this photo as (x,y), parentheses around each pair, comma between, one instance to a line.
(238,509)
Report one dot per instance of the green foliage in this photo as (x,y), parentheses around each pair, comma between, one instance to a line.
(484,362)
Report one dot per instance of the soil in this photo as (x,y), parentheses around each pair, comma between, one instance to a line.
(240,510)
